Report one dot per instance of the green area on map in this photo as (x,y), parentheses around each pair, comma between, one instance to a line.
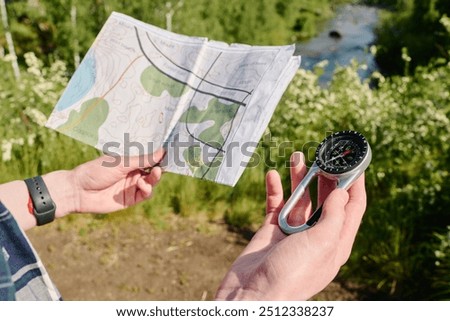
(218,113)
(155,82)
(84,124)
(199,168)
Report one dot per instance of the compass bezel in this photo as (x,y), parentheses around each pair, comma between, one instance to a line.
(331,141)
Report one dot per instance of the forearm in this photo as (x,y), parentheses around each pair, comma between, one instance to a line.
(14,195)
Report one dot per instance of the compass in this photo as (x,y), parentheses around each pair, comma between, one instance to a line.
(341,152)
(343,157)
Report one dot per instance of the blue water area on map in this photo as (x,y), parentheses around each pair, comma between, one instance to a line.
(81,82)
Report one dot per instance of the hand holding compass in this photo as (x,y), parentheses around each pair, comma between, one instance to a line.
(342,156)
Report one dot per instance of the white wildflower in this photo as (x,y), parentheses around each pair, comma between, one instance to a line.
(36,116)
(405,55)
(6,150)
(322,64)
(9,58)
(33,63)
(18,141)
(58,72)
(7,146)
(30,139)
(445,21)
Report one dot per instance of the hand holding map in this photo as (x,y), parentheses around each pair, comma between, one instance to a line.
(207,103)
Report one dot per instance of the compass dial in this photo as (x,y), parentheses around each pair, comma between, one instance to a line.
(341,152)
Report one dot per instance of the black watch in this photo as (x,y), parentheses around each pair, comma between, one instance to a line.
(43,206)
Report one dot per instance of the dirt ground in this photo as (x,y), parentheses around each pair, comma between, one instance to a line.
(132,259)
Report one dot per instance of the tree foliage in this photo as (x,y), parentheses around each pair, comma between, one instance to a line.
(414,25)
(59,29)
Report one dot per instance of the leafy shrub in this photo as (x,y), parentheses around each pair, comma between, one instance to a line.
(414,25)
(27,147)
(442,254)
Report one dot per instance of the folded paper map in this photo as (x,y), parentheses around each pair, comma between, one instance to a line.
(140,88)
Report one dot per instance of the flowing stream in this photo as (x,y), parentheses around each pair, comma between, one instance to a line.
(348,36)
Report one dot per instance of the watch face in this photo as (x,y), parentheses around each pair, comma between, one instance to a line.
(341,152)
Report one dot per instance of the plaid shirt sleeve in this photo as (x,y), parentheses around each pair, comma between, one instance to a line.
(22,274)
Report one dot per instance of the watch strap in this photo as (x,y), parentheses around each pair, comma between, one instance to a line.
(43,206)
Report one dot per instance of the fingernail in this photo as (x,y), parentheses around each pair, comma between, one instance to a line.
(297,158)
